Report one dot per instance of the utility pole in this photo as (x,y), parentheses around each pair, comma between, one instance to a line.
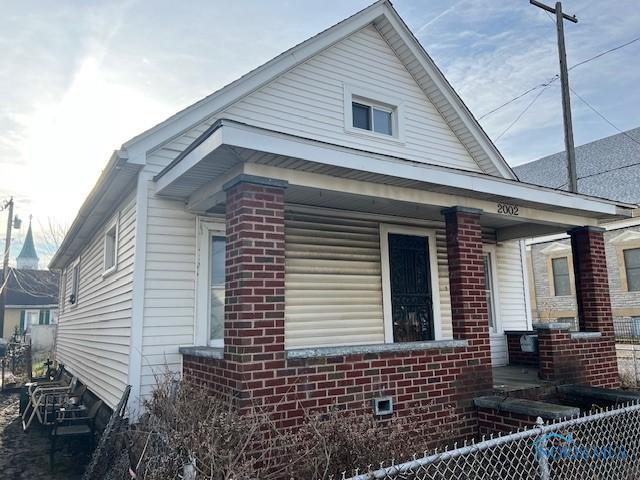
(4,286)
(566,99)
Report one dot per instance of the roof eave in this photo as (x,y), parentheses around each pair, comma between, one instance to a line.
(109,176)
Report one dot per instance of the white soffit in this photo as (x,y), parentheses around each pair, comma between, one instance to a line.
(226,135)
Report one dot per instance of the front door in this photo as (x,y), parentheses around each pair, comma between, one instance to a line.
(411,301)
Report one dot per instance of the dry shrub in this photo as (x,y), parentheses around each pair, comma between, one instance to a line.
(338,442)
(186,426)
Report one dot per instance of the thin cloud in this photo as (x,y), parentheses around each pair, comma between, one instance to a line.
(437,17)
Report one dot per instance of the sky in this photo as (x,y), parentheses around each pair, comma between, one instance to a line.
(81,77)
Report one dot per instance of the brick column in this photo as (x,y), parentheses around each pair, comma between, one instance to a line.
(254,296)
(592,281)
(468,298)
(594,303)
(558,357)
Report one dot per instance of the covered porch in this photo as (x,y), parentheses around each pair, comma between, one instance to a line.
(351,277)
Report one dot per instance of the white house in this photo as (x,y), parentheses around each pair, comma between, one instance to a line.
(341,200)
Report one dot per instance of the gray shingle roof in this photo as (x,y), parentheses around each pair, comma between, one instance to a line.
(608,168)
(32,287)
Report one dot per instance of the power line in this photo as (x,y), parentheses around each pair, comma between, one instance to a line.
(603,117)
(553,79)
(604,53)
(542,85)
(521,114)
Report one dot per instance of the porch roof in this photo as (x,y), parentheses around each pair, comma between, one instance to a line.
(359,179)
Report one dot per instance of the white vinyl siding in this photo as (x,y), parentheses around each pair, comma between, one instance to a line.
(170,285)
(93,335)
(333,282)
(309,101)
(511,297)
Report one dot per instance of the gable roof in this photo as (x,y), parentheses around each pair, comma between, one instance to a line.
(32,288)
(607,168)
(402,41)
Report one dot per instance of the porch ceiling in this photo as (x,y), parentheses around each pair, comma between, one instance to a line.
(336,177)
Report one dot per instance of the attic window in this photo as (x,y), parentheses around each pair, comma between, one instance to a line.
(374,118)
(373,113)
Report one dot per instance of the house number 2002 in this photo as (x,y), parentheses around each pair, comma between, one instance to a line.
(507,209)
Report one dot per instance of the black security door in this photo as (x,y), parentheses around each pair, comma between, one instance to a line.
(412,308)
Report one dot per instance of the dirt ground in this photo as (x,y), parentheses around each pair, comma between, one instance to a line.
(26,455)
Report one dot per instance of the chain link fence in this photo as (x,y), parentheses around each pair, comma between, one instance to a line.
(600,446)
(627,332)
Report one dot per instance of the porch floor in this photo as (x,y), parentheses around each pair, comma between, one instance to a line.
(511,378)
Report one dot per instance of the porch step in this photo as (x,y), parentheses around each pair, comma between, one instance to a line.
(530,408)
(608,395)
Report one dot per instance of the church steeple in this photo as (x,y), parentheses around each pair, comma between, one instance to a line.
(28,259)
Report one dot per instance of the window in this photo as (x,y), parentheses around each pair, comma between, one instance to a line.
(373,113)
(632,268)
(216,290)
(210,283)
(375,118)
(111,248)
(75,284)
(28,318)
(561,278)
(490,291)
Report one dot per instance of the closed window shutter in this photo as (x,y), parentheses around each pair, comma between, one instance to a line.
(47,317)
(22,317)
(41,317)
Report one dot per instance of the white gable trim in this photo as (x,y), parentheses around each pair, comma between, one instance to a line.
(378,13)
(556,248)
(186,119)
(444,88)
(628,236)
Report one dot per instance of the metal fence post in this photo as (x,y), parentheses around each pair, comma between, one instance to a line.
(541,455)
(635,366)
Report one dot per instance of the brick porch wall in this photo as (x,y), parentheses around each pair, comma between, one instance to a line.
(492,421)
(589,356)
(582,360)
(428,384)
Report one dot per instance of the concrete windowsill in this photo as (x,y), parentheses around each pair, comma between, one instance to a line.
(377,348)
(552,326)
(203,352)
(585,335)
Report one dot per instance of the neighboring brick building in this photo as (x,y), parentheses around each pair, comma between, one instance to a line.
(610,168)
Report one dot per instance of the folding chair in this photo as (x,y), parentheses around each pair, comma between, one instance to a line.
(43,401)
(57,379)
(73,427)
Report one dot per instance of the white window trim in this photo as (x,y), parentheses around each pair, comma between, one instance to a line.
(114,224)
(205,229)
(374,98)
(385,230)
(26,315)
(491,249)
